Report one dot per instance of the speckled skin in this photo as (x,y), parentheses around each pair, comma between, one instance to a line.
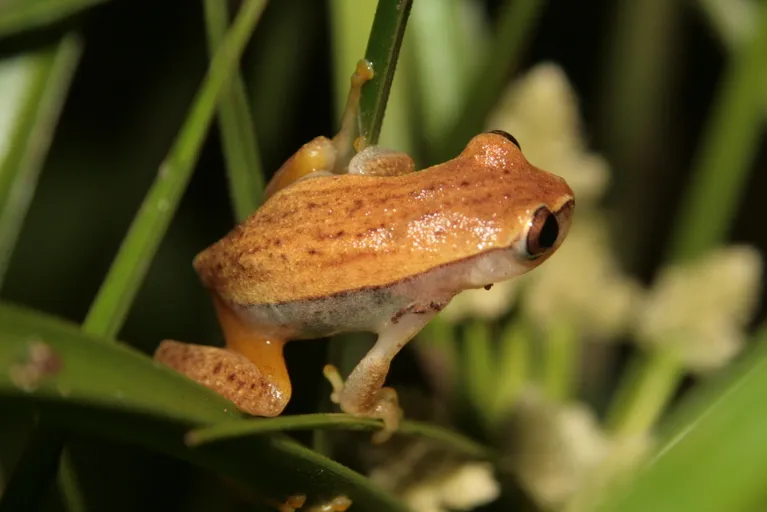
(379,249)
(349,233)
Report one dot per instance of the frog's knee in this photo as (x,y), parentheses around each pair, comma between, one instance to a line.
(229,374)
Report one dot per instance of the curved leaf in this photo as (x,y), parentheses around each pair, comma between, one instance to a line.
(245,428)
(111,389)
(714,457)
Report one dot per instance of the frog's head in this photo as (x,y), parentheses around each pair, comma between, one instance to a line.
(536,206)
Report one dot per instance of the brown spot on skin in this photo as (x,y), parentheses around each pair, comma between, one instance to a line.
(340,233)
(464,183)
(283,256)
(277,242)
(311,205)
(312,251)
(488,286)
(217,368)
(231,377)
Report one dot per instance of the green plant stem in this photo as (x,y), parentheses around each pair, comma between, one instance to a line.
(560,360)
(515,355)
(148,228)
(50,76)
(69,485)
(516,24)
(111,305)
(246,182)
(20,15)
(646,389)
(479,367)
(725,151)
(382,51)
(249,427)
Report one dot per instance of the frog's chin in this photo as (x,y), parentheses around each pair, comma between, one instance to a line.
(495,266)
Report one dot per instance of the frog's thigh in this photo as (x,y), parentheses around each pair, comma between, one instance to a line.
(228,373)
(363,393)
(250,371)
(376,161)
(318,155)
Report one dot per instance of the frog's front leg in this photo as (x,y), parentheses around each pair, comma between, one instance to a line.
(363,393)
(250,371)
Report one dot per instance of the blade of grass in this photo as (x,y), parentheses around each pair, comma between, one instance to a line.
(140,244)
(20,15)
(382,51)
(121,284)
(246,428)
(243,162)
(726,151)
(82,382)
(716,444)
(734,23)
(47,77)
(515,27)
(719,174)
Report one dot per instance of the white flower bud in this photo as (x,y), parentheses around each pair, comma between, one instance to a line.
(556,448)
(699,309)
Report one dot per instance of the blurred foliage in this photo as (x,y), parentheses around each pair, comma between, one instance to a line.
(96,94)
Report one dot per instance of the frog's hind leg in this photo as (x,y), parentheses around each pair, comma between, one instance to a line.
(363,393)
(250,371)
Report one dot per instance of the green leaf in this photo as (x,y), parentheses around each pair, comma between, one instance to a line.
(714,454)
(243,162)
(118,290)
(725,152)
(110,389)
(44,77)
(246,428)
(19,15)
(382,51)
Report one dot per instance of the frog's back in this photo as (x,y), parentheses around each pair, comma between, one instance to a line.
(336,234)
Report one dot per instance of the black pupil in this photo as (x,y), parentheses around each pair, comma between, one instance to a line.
(549,232)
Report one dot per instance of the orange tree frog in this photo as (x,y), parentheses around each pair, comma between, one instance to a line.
(380,248)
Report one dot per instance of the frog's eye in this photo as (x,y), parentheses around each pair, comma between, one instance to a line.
(507,136)
(543,232)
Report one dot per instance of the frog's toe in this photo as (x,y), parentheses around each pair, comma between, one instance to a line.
(227,373)
(384,405)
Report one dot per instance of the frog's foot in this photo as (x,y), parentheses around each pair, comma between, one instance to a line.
(338,504)
(229,374)
(383,405)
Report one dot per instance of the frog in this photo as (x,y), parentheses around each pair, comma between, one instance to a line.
(360,241)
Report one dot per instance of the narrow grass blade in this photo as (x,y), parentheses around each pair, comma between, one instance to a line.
(243,162)
(726,151)
(81,382)
(140,244)
(19,15)
(715,456)
(246,428)
(516,24)
(46,77)
(382,51)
